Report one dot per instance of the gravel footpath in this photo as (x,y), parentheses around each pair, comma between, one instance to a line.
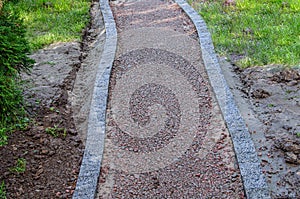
(165,135)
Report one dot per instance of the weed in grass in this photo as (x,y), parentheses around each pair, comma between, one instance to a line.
(2,191)
(20,167)
(254,32)
(271,105)
(298,134)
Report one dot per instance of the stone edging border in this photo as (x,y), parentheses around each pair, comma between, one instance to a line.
(255,185)
(90,167)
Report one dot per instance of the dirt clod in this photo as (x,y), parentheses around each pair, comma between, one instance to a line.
(260,93)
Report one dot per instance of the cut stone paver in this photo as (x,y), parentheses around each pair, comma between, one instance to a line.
(162,134)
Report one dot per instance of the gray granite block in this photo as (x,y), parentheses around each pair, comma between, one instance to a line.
(90,167)
(254,177)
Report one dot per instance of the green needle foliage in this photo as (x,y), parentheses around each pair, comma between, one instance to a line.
(14,50)
(30,25)
(254,33)
(14,47)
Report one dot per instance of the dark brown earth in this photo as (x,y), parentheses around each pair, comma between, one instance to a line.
(52,163)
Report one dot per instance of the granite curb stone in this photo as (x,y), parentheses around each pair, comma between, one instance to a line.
(253,179)
(90,167)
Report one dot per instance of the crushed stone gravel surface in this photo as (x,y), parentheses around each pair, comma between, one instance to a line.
(165,134)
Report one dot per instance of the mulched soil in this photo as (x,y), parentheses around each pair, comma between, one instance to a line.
(52,163)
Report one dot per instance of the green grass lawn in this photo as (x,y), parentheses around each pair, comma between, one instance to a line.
(254,33)
(47,22)
(51,21)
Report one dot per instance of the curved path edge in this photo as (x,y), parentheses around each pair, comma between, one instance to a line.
(90,167)
(255,185)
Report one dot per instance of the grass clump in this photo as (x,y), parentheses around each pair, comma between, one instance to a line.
(2,191)
(254,32)
(51,21)
(20,166)
(56,131)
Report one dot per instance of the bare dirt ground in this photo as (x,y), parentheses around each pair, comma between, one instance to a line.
(269,99)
